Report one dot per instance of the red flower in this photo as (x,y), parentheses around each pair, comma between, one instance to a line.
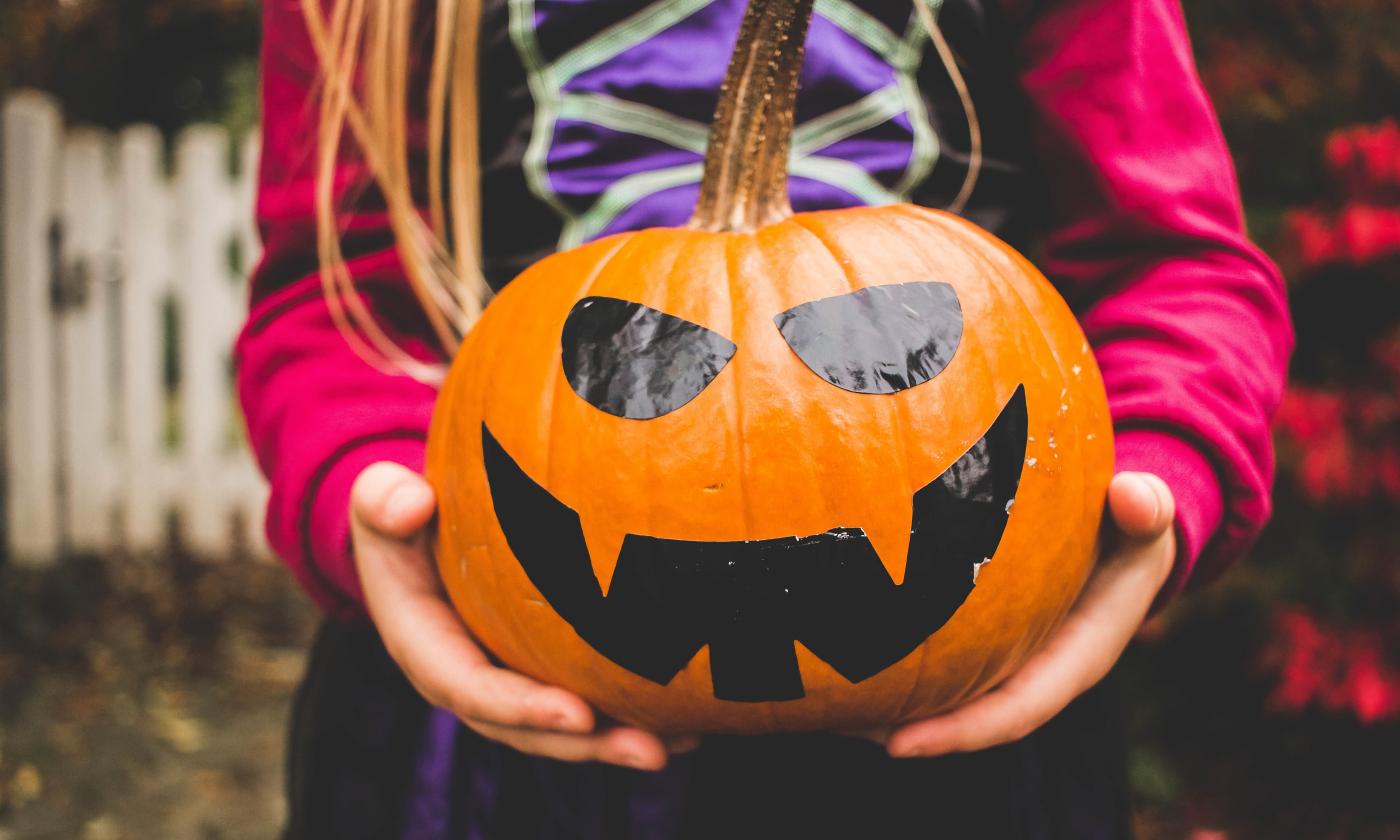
(1299,646)
(1344,444)
(1337,152)
(1365,232)
(1365,159)
(1359,234)
(1309,415)
(1326,467)
(1372,689)
(1310,237)
(1337,670)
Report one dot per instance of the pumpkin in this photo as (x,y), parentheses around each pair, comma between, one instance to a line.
(771,472)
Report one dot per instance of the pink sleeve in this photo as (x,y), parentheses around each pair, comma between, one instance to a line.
(317,414)
(1188,319)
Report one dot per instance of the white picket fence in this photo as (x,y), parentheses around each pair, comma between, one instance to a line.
(101,253)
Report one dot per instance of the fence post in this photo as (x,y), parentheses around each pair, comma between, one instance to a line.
(30,126)
(207,305)
(143,268)
(250,488)
(84,319)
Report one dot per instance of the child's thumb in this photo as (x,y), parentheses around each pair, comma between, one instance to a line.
(1141,505)
(391,499)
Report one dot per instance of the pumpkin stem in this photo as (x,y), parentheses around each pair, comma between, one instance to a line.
(745,182)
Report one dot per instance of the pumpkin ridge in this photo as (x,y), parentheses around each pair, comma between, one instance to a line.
(1088,366)
(802,223)
(550,395)
(896,410)
(975,247)
(626,242)
(612,261)
(976,252)
(495,580)
(671,288)
(1009,289)
(1014,293)
(912,698)
(732,246)
(1073,417)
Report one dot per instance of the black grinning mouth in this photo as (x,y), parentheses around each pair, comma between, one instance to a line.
(750,600)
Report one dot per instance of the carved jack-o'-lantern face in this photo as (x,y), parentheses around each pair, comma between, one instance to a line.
(747,599)
(771,472)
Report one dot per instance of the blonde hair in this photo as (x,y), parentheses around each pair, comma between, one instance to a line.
(364,51)
(364,48)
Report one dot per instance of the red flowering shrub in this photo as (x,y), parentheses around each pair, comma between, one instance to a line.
(1339,436)
(1270,701)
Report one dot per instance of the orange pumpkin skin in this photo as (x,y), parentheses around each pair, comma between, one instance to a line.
(770,449)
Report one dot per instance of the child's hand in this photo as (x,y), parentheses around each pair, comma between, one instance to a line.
(389,507)
(1135,564)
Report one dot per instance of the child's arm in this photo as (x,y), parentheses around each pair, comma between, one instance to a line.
(317,414)
(1187,320)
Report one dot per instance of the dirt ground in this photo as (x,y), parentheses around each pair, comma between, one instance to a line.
(146,698)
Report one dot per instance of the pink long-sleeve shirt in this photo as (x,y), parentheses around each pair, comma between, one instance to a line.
(1101,146)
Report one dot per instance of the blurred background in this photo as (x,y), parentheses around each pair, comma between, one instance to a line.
(145,678)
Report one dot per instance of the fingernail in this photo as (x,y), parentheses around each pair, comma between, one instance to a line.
(1156,498)
(545,711)
(564,720)
(634,760)
(402,499)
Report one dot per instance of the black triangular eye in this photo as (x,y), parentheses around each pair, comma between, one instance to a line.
(877,340)
(637,362)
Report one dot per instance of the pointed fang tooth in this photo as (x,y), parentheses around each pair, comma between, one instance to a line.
(604,543)
(892,546)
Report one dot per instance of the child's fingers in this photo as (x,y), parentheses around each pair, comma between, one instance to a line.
(1075,657)
(623,746)
(504,698)
(425,637)
(879,736)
